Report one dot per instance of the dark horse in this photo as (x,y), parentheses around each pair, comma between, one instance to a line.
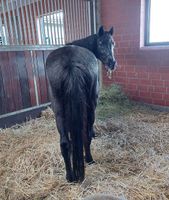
(73,76)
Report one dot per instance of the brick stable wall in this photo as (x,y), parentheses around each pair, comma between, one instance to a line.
(142,72)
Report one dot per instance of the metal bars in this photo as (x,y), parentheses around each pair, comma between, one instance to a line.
(43,22)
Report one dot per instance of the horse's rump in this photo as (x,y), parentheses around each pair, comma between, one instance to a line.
(63,63)
(72,69)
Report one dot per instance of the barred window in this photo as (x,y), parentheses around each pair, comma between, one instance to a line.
(51,28)
(43,23)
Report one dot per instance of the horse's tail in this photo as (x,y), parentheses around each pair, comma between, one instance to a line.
(76,97)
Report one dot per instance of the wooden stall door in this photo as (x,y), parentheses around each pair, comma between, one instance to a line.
(22,80)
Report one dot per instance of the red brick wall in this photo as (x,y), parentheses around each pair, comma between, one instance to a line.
(142,72)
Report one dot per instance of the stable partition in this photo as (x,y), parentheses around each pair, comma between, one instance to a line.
(23,83)
(29,31)
(22,80)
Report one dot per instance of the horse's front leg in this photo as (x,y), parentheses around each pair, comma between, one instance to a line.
(90,121)
(88,155)
(64,139)
(93,104)
(89,135)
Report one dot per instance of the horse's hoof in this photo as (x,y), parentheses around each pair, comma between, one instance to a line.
(70,177)
(89,161)
(92,162)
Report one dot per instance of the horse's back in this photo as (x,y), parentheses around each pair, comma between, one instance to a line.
(72,54)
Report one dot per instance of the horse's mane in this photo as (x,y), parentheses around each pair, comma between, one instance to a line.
(89,43)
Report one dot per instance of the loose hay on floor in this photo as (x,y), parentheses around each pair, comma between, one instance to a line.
(131,154)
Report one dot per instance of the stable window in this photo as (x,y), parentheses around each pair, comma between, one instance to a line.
(156,21)
(51,28)
(32,23)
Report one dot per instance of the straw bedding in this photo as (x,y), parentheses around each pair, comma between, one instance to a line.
(131,154)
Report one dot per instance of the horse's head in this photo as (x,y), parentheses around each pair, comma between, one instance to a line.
(105,48)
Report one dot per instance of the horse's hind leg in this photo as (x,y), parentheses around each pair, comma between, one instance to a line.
(64,139)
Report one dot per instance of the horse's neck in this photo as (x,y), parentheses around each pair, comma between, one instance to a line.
(89,43)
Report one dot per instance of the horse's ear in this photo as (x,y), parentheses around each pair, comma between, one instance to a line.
(101,31)
(111,31)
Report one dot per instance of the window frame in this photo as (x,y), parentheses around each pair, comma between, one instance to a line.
(147,28)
